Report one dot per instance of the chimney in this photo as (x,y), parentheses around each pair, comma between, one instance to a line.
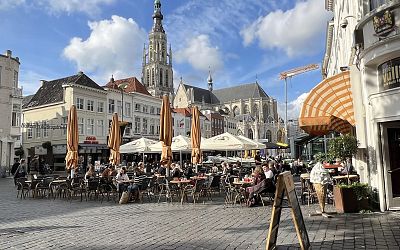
(42,82)
(8,53)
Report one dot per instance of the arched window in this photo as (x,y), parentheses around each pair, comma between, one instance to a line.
(147,81)
(256,112)
(279,136)
(166,78)
(268,135)
(236,111)
(250,132)
(246,109)
(152,77)
(227,111)
(239,132)
(161,78)
(265,112)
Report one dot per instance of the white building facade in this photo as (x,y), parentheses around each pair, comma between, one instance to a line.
(10,109)
(363,37)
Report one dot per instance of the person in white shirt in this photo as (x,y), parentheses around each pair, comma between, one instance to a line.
(268,171)
(320,178)
(122,180)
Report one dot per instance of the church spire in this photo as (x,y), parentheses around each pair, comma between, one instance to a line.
(209,80)
(157,17)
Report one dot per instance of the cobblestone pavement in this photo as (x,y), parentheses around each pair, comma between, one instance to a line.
(59,224)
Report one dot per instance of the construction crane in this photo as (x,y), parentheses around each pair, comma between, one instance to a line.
(289,74)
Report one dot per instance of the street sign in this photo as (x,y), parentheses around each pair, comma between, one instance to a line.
(285,187)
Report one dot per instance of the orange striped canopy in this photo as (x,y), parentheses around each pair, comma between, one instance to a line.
(329,107)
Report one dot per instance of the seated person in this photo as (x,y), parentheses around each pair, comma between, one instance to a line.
(258,186)
(114,172)
(189,171)
(347,168)
(162,170)
(90,173)
(106,172)
(268,171)
(122,179)
(214,168)
(176,172)
(138,180)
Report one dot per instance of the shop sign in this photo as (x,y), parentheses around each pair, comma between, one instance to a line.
(383,23)
(389,74)
(91,140)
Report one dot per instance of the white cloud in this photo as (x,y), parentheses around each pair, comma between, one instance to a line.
(90,7)
(8,4)
(30,81)
(114,47)
(296,31)
(200,54)
(294,107)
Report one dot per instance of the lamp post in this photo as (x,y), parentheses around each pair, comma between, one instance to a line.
(122,87)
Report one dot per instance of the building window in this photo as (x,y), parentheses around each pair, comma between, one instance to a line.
(152,77)
(137,125)
(29,133)
(158,130)
(158,111)
(152,110)
(128,129)
(268,136)
(137,107)
(119,108)
(145,126)
(100,107)
(38,131)
(64,121)
(81,126)
(15,79)
(127,112)
(90,105)
(16,115)
(45,125)
(145,109)
(90,126)
(161,78)
(111,106)
(373,4)
(79,103)
(100,127)
(152,129)
(148,77)
(166,78)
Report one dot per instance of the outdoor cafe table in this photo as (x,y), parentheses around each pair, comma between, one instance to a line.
(343,178)
(182,185)
(199,177)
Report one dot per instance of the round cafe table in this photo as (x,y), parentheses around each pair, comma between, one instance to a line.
(182,185)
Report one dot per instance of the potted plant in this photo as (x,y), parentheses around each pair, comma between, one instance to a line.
(343,147)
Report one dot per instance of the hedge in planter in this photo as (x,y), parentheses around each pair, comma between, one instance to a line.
(351,198)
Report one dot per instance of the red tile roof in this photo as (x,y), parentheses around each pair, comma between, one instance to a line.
(134,85)
(185,111)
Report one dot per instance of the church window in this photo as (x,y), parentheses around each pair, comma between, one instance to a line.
(279,136)
(147,77)
(246,109)
(166,78)
(268,136)
(161,78)
(152,77)
(236,111)
(265,111)
(255,111)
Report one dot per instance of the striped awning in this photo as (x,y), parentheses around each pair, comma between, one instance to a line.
(329,107)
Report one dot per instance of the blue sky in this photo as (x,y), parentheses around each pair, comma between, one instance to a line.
(238,40)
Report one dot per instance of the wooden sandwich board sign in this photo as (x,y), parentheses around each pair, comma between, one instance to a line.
(285,187)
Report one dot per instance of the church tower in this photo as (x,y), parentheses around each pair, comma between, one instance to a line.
(157,61)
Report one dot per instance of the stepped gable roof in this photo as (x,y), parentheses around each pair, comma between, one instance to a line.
(134,85)
(244,91)
(200,94)
(52,91)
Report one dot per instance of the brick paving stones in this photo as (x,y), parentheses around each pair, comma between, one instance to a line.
(60,224)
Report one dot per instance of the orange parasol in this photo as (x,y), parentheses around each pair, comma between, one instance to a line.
(72,140)
(166,132)
(114,140)
(195,136)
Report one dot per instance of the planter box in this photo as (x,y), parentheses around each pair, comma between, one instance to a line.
(345,200)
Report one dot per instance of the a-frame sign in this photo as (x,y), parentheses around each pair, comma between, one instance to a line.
(285,187)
